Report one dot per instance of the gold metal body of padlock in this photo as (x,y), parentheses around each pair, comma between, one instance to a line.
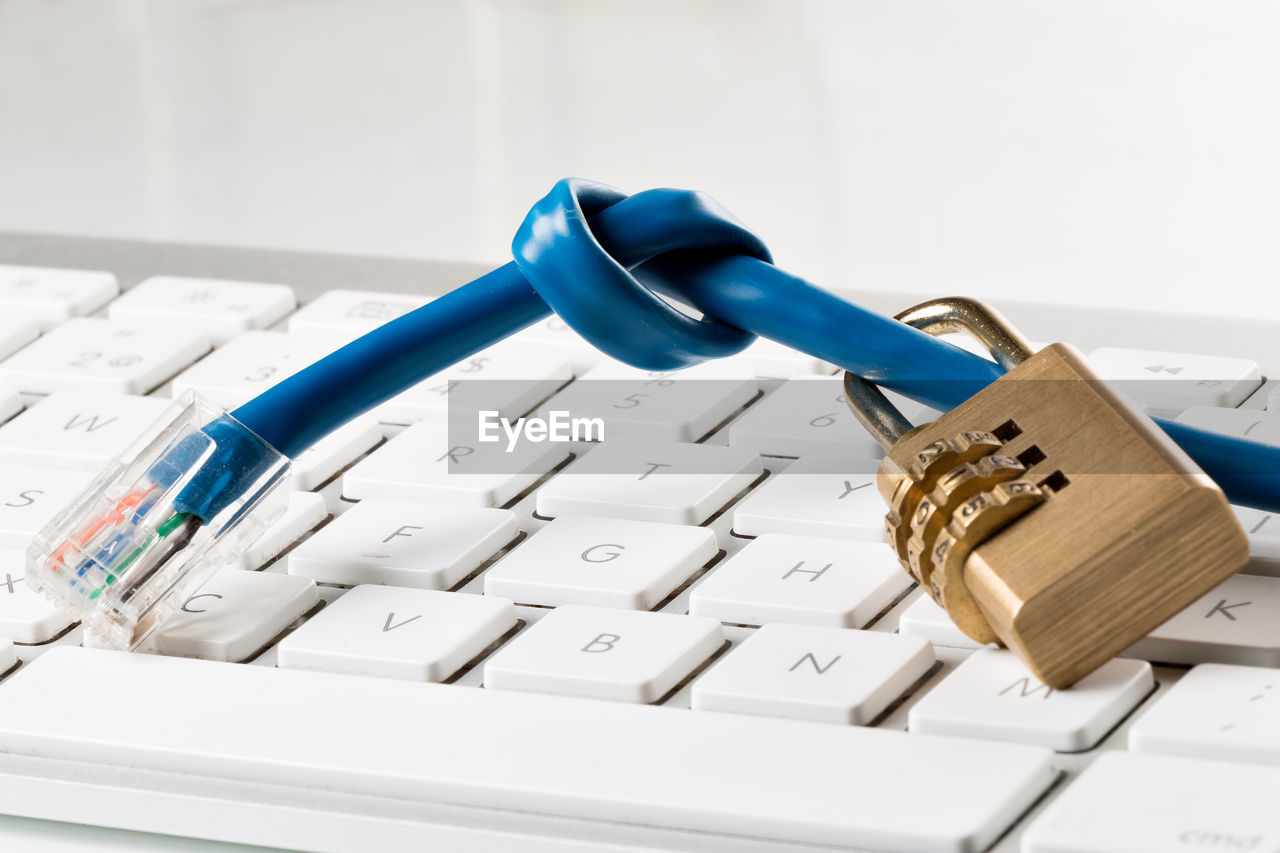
(1047,512)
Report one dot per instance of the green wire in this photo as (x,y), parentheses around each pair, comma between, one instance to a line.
(169,526)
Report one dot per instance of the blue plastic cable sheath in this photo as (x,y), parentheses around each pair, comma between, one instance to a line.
(596,255)
(312,403)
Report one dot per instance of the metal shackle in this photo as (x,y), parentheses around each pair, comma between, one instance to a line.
(936,317)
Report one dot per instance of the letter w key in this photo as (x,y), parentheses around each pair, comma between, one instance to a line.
(72,429)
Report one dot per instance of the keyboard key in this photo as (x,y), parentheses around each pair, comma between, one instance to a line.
(343,315)
(829,675)
(803,580)
(335,451)
(422,463)
(51,296)
(767,358)
(807,416)
(247,365)
(604,653)
(509,378)
(29,497)
(25,615)
(16,331)
(1215,711)
(993,695)
(1263,530)
(650,481)
(926,619)
(602,561)
(415,634)
(1252,424)
(10,403)
(816,496)
(554,335)
(1126,803)
(235,615)
(1234,623)
(83,430)
(683,405)
(92,354)
(737,774)
(402,543)
(1173,381)
(800,417)
(306,510)
(215,308)
(8,655)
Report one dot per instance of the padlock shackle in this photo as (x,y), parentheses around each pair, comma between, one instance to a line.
(941,316)
(949,314)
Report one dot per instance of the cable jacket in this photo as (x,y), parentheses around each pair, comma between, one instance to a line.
(598,257)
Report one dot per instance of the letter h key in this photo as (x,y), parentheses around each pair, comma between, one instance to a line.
(1047,512)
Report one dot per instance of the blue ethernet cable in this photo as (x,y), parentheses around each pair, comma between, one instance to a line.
(596,256)
(600,259)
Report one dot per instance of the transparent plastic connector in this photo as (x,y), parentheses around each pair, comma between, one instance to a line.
(129,549)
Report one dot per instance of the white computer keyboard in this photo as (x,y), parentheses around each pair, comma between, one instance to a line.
(715,653)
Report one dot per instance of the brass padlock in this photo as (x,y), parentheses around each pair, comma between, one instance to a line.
(1047,512)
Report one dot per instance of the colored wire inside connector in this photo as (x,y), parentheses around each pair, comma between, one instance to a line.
(117,515)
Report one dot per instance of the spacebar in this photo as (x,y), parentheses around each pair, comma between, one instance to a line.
(692,770)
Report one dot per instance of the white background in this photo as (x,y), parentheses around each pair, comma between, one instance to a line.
(1117,152)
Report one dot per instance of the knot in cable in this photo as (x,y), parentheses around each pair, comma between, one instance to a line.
(584,248)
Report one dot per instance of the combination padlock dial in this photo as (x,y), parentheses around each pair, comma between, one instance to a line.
(1047,512)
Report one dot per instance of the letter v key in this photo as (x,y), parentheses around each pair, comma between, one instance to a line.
(387,626)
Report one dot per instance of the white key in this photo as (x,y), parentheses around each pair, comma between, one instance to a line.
(804,580)
(771,359)
(1263,530)
(347,314)
(402,543)
(422,463)
(603,561)
(234,615)
(1126,803)
(25,615)
(926,619)
(16,331)
(335,451)
(415,634)
(92,354)
(213,307)
(30,496)
(10,402)
(1252,424)
(993,695)
(247,365)
(54,295)
(1173,381)
(805,416)
(829,675)
(509,378)
(1233,623)
(8,655)
(604,653)
(305,511)
(1215,711)
(681,405)
(650,481)
(83,430)
(723,773)
(816,496)
(554,335)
